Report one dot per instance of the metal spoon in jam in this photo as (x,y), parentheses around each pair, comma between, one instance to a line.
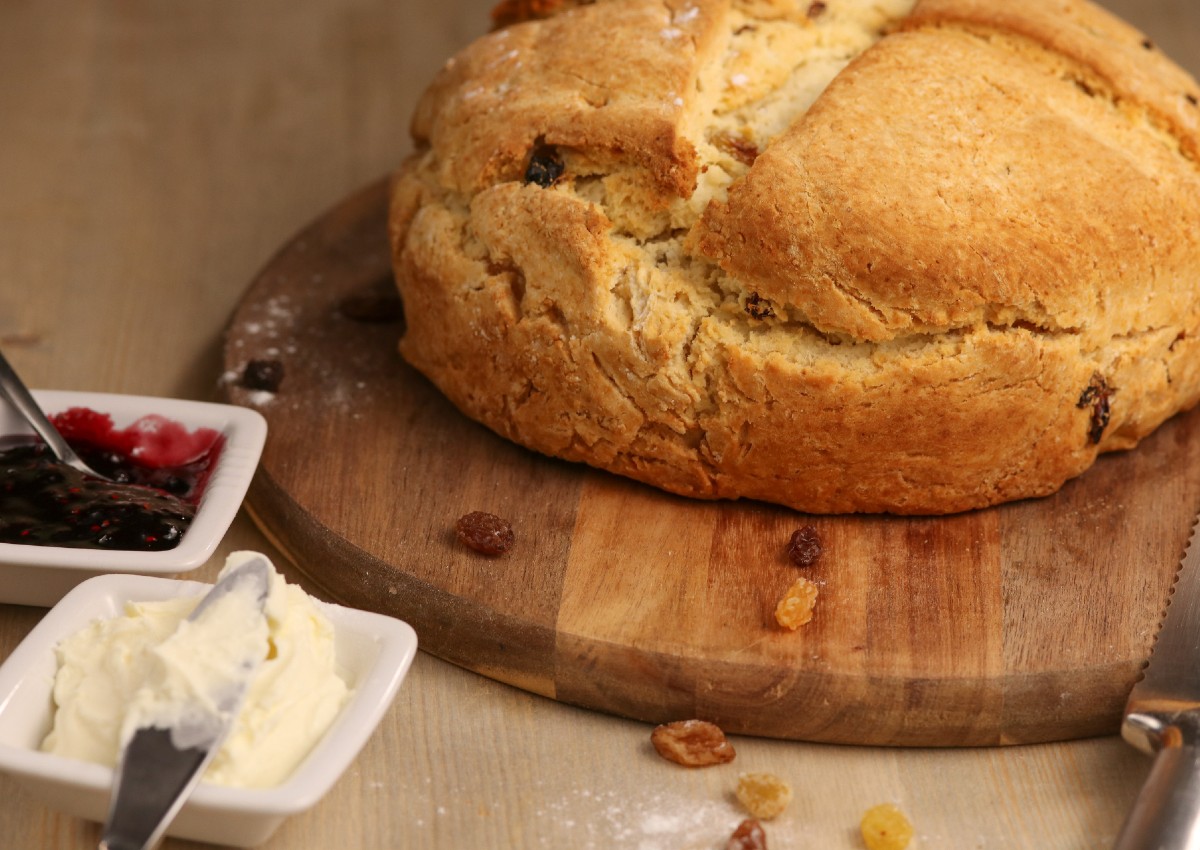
(18,395)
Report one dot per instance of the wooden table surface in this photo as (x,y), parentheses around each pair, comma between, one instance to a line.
(153,155)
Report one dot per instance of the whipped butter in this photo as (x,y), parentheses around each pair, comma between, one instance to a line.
(115,674)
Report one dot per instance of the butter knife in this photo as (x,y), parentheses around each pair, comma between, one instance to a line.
(1162,718)
(159,766)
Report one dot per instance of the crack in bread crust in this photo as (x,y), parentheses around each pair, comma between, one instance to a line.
(863,262)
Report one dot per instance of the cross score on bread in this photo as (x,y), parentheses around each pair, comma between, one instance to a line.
(843,256)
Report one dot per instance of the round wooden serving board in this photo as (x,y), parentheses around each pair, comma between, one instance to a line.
(1027,622)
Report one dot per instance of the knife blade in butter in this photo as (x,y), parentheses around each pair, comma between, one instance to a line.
(179,720)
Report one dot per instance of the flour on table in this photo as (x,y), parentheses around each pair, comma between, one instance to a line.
(651,821)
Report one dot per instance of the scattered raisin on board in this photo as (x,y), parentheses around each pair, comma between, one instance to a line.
(816,10)
(884,827)
(545,166)
(485,533)
(692,743)
(263,375)
(804,546)
(749,835)
(763,795)
(796,607)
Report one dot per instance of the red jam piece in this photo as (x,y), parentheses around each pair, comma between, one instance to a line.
(152,440)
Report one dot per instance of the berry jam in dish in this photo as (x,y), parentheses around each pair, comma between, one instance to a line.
(159,471)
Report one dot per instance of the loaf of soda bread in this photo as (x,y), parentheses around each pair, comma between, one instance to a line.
(855,255)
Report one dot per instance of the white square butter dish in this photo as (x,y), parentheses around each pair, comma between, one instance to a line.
(373,652)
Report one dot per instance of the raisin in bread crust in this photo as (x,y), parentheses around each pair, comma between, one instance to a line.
(879,258)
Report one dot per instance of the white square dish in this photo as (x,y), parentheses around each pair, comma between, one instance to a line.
(374,653)
(40,575)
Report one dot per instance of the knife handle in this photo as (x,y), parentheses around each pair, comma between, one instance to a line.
(1166,814)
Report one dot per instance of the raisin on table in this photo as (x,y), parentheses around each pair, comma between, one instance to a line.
(884,827)
(692,743)
(749,835)
(763,795)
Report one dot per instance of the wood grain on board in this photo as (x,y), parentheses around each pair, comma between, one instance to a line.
(1022,623)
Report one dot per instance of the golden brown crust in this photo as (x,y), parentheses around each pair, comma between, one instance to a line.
(531,82)
(1109,55)
(946,280)
(988,203)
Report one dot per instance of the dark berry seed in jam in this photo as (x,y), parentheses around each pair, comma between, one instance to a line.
(263,375)
(45,502)
(486,533)
(545,166)
(804,547)
(159,470)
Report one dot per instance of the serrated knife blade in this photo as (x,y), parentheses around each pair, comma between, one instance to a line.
(1162,718)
